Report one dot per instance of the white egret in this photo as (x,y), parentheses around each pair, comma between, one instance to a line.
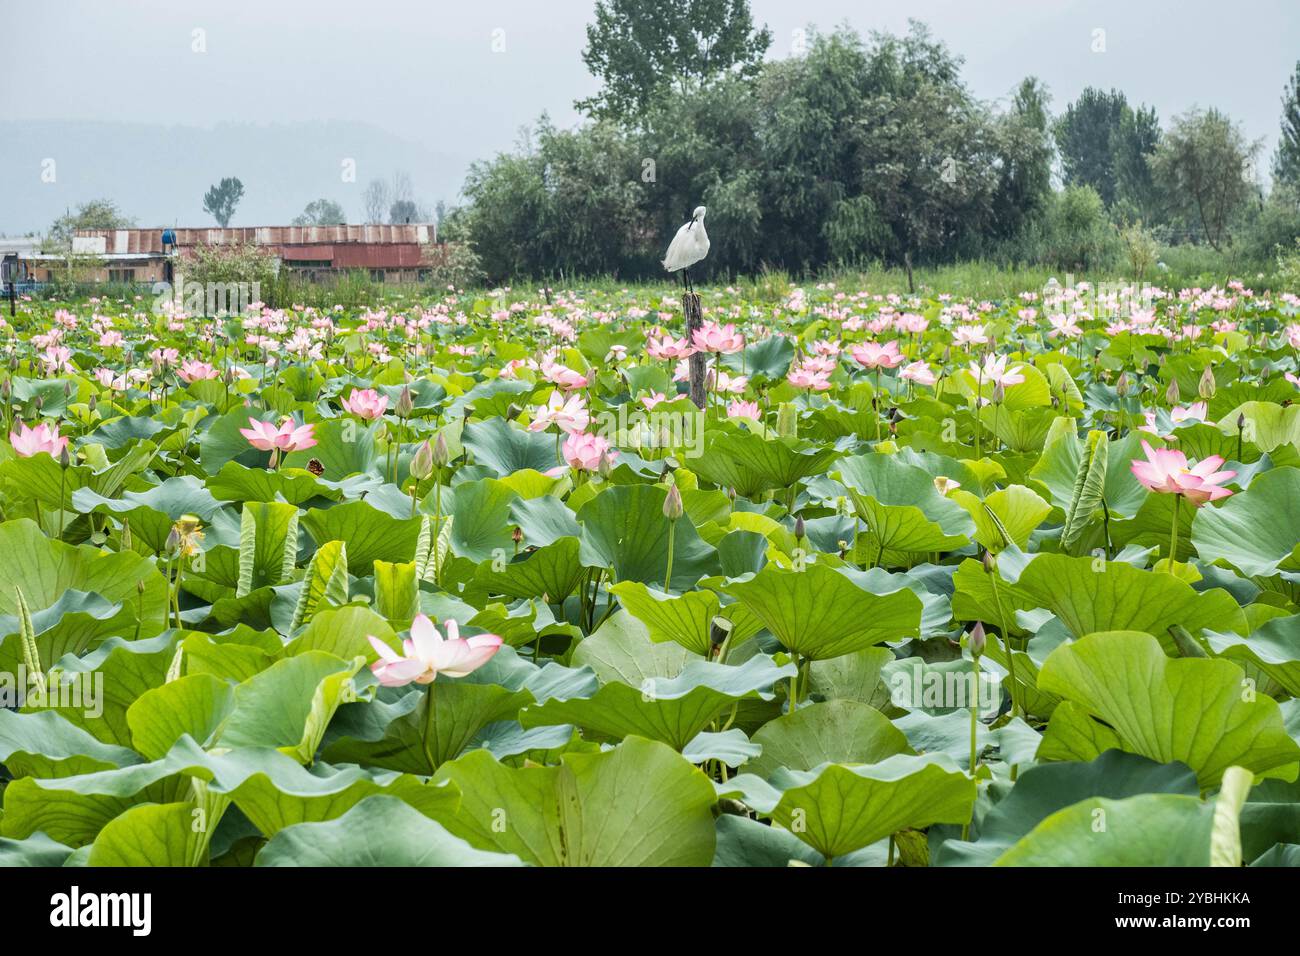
(689,246)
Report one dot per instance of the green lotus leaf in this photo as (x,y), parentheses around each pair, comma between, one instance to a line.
(672,710)
(1191,710)
(837,731)
(1257,530)
(901,507)
(639,804)
(819,613)
(624,530)
(837,809)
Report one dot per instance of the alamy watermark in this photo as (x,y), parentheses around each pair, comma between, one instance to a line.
(81,690)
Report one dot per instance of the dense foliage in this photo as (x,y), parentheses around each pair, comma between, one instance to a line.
(929,581)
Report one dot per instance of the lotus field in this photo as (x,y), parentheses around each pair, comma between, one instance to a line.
(472,581)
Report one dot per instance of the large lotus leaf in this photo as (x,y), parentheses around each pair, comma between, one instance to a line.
(297,486)
(1150,829)
(837,809)
(1268,425)
(746,842)
(95,691)
(769,358)
(901,507)
(673,710)
(686,619)
(49,568)
(1089,594)
(36,850)
(288,705)
(152,834)
(1191,710)
(196,705)
(837,731)
(552,571)
(498,445)
(624,529)
(1273,647)
(73,624)
(1063,455)
(152,512)
(819,613)
(1257,531)
(392,734)
(378,831)
(370,534)
(1006,516)
(342,447)
(481,527)
(853,676)
(1042,790)
(44,744)
(621,650)
(751,464)
(543,520)
(639,804)
(42,480)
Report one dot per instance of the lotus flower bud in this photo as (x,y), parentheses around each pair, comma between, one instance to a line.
(173,541)
(787,420)
(125,543)
(440,453)
(405,404)
(799,528)
(606,466)
(673,508)
(999,393)
(1206,387)
(65,459)
(1122,385)
(977,639)
(990,562)
(422,462)
(1172,394)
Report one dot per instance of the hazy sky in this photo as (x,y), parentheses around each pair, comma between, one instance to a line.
(462,78)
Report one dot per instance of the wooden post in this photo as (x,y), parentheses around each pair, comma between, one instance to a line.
(694,320)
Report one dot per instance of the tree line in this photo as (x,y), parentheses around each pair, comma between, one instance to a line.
(856,150)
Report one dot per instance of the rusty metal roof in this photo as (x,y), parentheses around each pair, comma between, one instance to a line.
(150,240)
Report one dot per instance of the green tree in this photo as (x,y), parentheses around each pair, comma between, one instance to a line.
(404,211)
(1202,167)
(1025,160)
(1286,161)
(1135,143)
(638,49)
(321,212)
(95,214)
(1085,136)
(220,200)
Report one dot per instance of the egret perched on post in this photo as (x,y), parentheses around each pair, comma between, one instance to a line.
(689,246)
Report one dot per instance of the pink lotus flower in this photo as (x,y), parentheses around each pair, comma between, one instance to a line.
(32,441)
(712,337)
(995,372)
(1166,471)
(427,654)
(563,376)
(366,403)
(192,370)
(808,378)
(568,416)
(918,372)
(875,355)
(739,409)
(650,401)
(266,437)
(668,348)
(583,451)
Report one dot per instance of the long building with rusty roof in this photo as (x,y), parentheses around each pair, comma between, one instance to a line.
(396,253)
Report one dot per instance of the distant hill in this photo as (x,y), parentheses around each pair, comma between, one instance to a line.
(158,173)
